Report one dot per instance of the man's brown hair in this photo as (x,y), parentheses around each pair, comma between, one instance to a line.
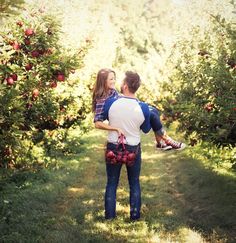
(132,80)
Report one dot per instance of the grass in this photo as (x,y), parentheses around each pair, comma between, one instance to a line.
(183,200)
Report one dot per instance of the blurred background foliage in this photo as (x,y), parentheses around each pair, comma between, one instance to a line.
(183,50)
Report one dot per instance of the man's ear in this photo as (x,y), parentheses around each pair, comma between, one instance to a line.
(125,87)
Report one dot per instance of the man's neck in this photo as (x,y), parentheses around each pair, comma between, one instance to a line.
(130,95)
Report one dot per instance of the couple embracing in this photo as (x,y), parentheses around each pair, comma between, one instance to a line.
(127,117)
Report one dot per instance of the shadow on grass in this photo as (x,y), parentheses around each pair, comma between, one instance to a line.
(177,193)
(187,194)
(65,204)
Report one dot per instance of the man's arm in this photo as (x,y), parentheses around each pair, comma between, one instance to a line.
(104,126)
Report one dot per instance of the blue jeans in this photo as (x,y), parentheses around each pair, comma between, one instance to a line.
(155,121)
(113,175)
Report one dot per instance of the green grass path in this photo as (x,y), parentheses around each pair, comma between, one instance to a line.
(182,201)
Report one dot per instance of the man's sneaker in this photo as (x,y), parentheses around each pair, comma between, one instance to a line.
(161,145)
(174,144)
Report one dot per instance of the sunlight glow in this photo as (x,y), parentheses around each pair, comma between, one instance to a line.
(88,217)
(148,178)
(179,2)
(76,189)
(191,236)
(122,208)
(89,202)
(123,192)
(169,212)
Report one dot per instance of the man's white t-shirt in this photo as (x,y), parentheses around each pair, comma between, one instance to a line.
(128,114)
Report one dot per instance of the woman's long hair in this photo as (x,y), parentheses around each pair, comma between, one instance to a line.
(101,91)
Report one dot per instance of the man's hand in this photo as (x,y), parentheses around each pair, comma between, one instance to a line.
(120,131)
(104,126)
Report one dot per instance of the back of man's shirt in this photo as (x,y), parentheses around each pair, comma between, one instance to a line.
(130,115)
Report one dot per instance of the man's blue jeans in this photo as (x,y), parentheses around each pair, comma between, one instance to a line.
(113,175)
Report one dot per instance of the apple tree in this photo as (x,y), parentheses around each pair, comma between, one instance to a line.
(202,85)
(35,89)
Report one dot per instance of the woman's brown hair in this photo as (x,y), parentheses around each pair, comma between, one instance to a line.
(101,91)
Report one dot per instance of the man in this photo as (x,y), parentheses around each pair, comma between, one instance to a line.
(131,116)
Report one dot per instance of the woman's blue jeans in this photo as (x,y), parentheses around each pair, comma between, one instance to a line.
(113,175)
(155,121)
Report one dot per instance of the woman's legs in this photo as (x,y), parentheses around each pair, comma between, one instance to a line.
(155,121)
(157,128)
(164,142)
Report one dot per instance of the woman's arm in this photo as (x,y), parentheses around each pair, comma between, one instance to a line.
(104,126)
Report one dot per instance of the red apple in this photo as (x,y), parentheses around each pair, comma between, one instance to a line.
(28,66)
(110,155)
(16,45)
(124,159)
(35,93)
(29,32)
(60,77)
(10,81)
(35,53)
(119,158)
(27,41)
(41,52)
(53,84)
(131,156)
(14,76)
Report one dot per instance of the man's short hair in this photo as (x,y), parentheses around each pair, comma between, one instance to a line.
(132,80)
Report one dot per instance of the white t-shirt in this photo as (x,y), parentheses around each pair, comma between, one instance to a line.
(130,115)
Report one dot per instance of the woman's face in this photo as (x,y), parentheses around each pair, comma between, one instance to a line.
(111,80)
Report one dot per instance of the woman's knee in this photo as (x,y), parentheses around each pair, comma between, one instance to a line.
(155,121)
